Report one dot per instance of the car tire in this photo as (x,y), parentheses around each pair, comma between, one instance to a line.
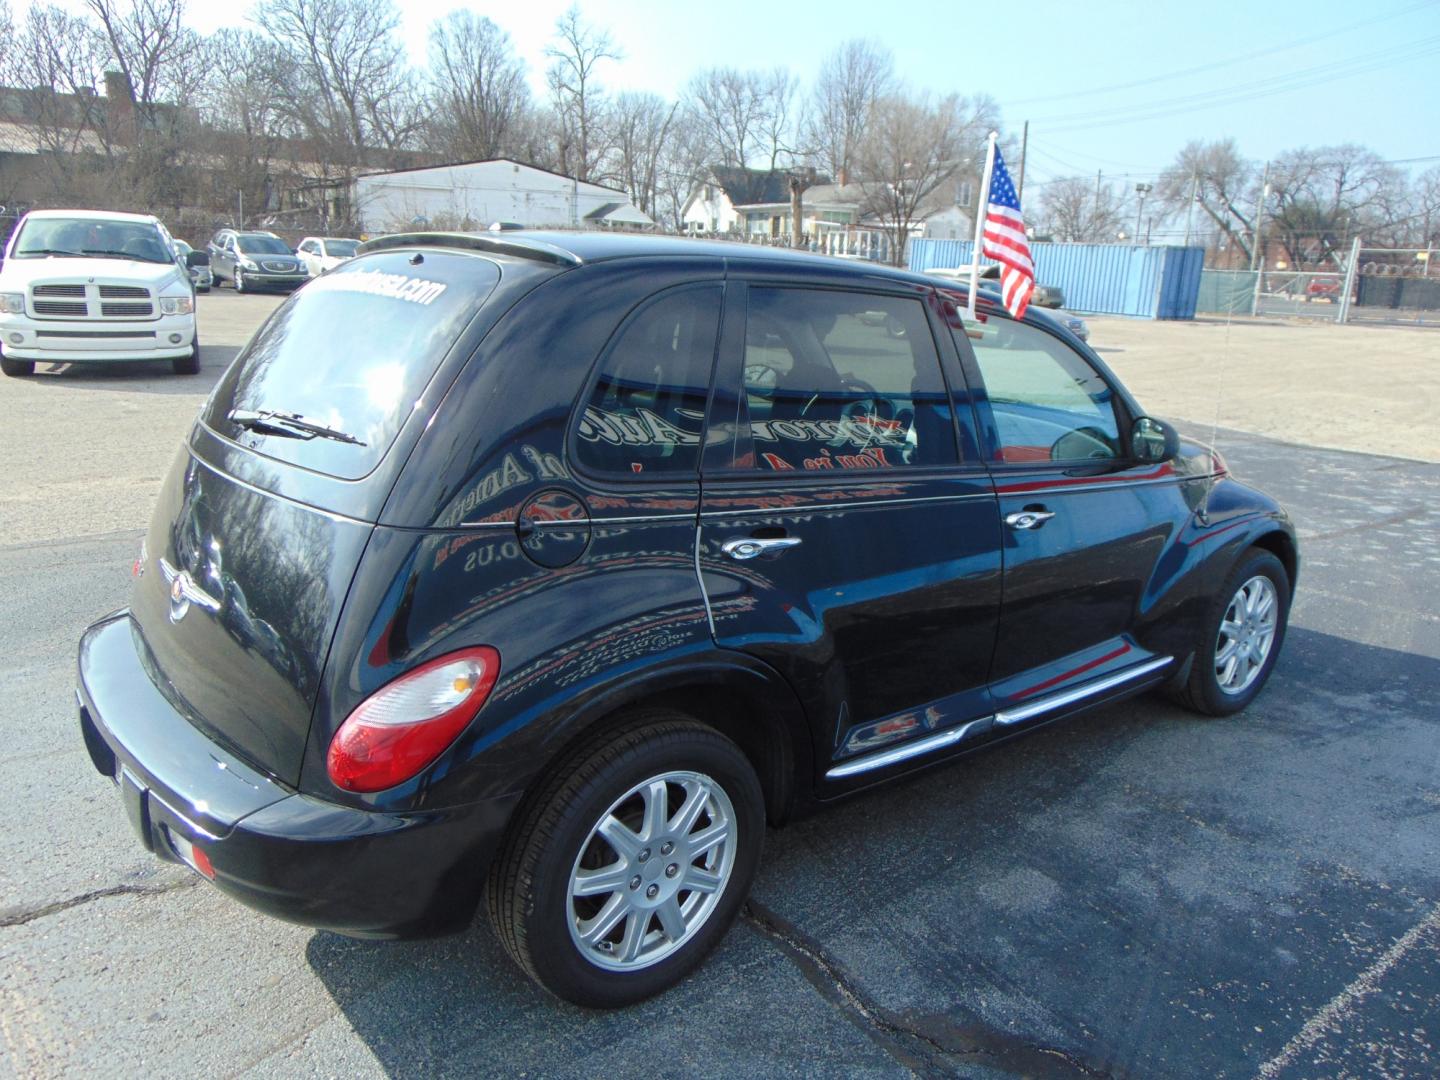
(16,368)
(1240,638)
(188,365)
(238,280)
(648,931)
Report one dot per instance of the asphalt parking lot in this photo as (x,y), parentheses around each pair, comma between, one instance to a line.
(1133,893)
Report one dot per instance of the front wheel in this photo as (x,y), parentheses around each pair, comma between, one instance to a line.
(1240,639)
(16,368)
(631,863)
(239,280)
(188,365)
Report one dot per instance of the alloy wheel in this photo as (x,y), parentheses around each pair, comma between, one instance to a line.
(651,871)
(1246,634)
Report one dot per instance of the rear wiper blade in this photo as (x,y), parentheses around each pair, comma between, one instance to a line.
(292,425)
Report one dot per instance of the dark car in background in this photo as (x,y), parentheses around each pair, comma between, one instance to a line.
(545,571)
(255,260)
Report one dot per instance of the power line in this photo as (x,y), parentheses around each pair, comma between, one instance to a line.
(1246,92)
(1114,87)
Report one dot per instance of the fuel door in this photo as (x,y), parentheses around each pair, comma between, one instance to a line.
(553,528)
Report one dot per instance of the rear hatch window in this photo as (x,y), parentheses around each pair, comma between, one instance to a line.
(329,380)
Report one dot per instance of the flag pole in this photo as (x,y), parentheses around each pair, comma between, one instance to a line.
(981,206)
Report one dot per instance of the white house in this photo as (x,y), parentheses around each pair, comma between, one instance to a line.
(476,194)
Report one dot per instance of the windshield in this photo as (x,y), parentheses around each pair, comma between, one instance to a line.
(262,245)
(344,249)
(352,351)
(57,237)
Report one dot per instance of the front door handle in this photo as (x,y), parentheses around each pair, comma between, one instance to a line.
(1028,519)
(748,547)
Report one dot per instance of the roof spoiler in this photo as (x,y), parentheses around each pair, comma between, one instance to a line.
(519,247)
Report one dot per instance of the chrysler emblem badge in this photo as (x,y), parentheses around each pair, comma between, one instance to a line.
(184,592)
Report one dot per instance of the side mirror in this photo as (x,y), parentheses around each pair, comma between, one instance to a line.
(1153,440)
(197,258)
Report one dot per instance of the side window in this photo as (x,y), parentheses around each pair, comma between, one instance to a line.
(1049,404)
(843,381)
(646,412)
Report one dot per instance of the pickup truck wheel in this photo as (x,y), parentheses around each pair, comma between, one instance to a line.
(188,365)
(631,861)
(17,368)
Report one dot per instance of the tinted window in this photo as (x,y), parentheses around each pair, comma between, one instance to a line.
(353,350)
(342,249)
(837,380)
(262,245)
(647,411)
(1049,403)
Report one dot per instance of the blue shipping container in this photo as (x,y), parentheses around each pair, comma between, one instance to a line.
(1110,279)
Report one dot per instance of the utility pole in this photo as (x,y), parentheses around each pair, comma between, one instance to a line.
(1024,143)
(1190,208)
(1259,214)
(240,222)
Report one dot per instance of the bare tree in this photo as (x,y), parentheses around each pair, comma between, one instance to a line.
(154,50)
(1075,209)
(1225,185)
(684,160)
(640,126)
(478,84)
(851,80)
(911,148)
(248,126)
(1427,207)
(56,60)
(576,95)
(743,114)
(349,76)
(1324,196)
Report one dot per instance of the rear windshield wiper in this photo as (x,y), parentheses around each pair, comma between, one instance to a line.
(290,425)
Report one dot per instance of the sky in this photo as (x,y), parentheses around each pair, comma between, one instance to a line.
(1106,85)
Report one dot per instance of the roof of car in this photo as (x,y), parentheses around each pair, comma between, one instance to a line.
(590,247)
(94,215)
(574,248)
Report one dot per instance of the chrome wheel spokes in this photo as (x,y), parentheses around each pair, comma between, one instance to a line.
(1247,632)
(651,871)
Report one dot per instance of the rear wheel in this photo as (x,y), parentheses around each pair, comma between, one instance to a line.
(17,368)
(631,863)
(1240,639)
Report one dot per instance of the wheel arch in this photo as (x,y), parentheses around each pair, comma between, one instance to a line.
(738,696)
(1282,545)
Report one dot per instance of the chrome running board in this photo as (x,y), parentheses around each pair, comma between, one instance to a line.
(941,739)
(1079,693)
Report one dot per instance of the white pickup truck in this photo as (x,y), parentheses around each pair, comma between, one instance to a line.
(87,285)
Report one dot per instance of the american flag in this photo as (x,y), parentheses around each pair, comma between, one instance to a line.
(1004,241)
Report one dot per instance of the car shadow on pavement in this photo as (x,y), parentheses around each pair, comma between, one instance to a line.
(140,376)
(1137,891)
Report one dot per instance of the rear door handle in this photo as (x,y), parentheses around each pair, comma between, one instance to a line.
(748,547)
(1028,519)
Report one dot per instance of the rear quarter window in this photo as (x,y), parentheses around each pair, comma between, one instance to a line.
(353,351)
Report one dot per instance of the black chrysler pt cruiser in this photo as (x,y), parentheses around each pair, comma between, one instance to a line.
(548,569)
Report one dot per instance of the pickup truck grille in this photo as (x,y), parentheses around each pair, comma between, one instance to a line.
(62,307)
(86,300)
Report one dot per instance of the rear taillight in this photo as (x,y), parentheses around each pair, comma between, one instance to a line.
(404,726)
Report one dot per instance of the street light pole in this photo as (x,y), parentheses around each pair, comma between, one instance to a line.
(1141,190)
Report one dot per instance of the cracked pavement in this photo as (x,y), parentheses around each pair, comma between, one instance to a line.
(1131,893)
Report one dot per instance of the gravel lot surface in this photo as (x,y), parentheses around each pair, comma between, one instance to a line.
(1132,893)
